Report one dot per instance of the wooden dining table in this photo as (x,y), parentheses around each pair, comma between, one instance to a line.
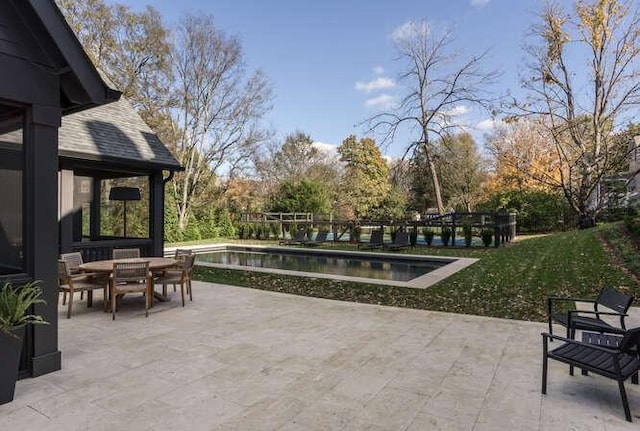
(155,264)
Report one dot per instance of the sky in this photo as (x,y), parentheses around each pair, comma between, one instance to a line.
(332,63)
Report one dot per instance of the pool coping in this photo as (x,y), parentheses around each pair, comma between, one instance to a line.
(422,282)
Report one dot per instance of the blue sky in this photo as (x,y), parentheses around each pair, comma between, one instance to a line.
(331,62)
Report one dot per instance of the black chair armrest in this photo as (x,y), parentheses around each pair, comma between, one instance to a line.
(605,313)
(561,298)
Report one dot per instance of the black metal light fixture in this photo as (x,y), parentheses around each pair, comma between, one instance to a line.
(124,194)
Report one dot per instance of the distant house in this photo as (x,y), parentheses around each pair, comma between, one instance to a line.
(54,176)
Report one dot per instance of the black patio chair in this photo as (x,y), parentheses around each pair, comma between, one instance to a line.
(321,238)
(615,363)
(375,240)
(402,240)
(616,303)
(299,237)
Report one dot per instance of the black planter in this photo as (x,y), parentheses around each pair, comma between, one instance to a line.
(10,349)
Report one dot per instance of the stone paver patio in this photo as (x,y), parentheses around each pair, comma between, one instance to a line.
(244,359)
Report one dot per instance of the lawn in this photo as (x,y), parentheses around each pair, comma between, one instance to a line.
(509,282)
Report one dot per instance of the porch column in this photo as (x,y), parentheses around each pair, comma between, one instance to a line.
(41,233)
(156,213)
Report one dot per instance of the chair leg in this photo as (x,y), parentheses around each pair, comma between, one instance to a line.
(148,298)
(190,289)
(64,298)
(544,367)
(89,298)
(625,402)
(182,291)
(114,299)
(70,304)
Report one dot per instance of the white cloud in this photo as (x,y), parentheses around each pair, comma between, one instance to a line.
(378,70)
(380,83)
(479,3)
(383,101)
(486,125)
(457,110)
(410,29)
(328,149)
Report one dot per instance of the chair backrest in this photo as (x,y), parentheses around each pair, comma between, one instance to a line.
(300,235)
(377,237)
(73,260)
(322,236)
(402,238)
(130,271)
(181,253)
(63,272)
(630,340)
(126,253)
(187,265)
(614,300)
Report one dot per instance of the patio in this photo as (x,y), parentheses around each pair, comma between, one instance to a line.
(244,359)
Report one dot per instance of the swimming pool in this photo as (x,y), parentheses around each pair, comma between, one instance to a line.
(376,268)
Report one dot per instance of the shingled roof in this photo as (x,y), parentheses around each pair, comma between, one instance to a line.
(114,133)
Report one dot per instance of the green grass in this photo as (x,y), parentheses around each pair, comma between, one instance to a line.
(509,282)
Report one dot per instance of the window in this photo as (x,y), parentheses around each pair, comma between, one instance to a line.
(11,172)
(121,216)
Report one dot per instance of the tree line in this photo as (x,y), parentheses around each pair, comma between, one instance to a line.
(553,152)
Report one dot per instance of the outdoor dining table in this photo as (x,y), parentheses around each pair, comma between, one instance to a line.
(155,264)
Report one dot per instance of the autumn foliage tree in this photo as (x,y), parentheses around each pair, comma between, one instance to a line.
(584,85)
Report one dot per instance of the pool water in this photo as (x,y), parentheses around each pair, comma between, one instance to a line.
(382,268)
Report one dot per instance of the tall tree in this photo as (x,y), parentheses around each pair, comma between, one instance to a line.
(217,113)
(304,195)
(460,168)
(462,171)
(131,48)
(438,83)
(365,179)
(584,83)
(296,158)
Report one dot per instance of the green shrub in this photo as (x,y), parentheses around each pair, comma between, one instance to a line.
(467,231)
(445,235)
(487,237)
(428,235)
(257,229)
(275,229)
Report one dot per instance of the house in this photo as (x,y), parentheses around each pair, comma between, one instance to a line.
(47,80)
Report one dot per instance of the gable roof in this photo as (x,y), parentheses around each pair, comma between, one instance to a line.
(81,86)
(114,133)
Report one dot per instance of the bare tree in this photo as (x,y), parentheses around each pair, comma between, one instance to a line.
(438,83)
(584,83)
(217,111)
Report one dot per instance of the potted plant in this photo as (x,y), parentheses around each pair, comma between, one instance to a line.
(15,306)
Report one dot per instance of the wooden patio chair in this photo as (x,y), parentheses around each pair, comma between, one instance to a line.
(617,363)
(125,253)
(70,283)
(375,240)
(180,276)
(131,277)
(74,260)
(616,303)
